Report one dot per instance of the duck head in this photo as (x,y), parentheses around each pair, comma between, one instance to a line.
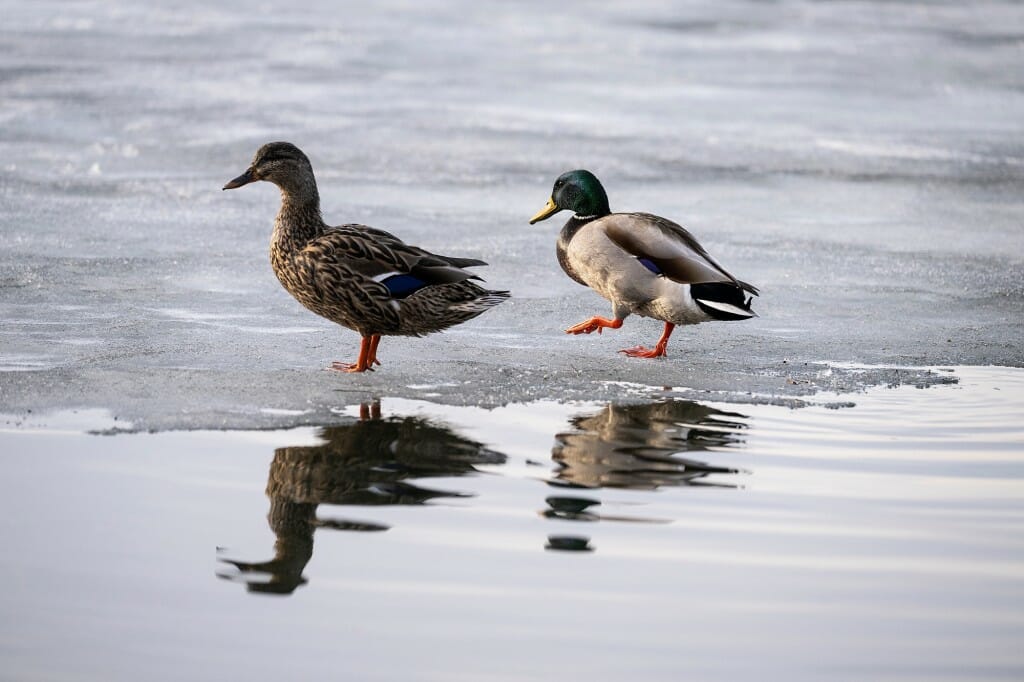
(281,163)
(578,191)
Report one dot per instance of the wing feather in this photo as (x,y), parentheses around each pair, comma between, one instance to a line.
(669,247)
(375,253)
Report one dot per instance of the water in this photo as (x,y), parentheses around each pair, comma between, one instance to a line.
(414,540)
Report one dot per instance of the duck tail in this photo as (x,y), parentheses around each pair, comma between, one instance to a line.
(488,299)
(750,288)
(463,262)
(723,300)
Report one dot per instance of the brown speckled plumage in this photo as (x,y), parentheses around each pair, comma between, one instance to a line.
(343,273)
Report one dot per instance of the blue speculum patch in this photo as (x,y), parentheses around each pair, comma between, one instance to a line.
(649,264)
(401,286)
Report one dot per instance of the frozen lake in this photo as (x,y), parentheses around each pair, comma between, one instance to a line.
(860,162)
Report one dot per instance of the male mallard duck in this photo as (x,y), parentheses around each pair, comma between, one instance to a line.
(362,278)
(642,263)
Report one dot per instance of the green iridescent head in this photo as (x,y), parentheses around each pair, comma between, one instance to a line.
(578,191)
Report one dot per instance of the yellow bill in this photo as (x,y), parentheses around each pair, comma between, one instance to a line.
(549,210)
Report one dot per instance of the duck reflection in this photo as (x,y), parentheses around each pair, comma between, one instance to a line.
(637,447)
(365,463)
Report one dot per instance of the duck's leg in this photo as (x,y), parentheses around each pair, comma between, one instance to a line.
(372,359)
(659,348)
(594,324)
(362,364)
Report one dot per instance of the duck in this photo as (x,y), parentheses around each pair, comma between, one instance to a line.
(359,277)
(642,263)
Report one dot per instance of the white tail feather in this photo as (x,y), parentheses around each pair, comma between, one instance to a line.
(727,308)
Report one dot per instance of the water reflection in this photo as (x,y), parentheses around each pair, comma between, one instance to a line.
(384,461)
(569,543)
(367,463)
(637,447)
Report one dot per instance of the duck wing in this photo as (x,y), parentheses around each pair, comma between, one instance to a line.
(388,237)
(668,249)
(384,258)
(367,230)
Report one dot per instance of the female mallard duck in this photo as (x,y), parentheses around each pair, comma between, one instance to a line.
(362,278)
(642,263)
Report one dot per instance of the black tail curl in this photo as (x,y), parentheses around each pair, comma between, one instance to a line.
(722,292)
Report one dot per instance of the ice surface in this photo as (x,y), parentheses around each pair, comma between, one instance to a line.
(862,163)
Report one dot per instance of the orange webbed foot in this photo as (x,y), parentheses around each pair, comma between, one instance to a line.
(350,367)
(643,352)
(594,324)
(659,348)
(367,357)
